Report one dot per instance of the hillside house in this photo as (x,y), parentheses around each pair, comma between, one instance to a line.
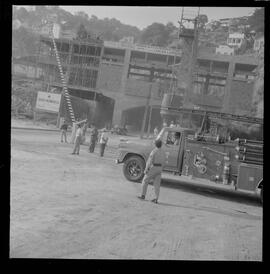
(235,40)
(259,42)
(225,49)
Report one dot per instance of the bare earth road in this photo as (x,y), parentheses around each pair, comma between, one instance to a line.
(66,206)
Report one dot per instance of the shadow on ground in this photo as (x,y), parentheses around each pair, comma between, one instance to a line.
(213,191)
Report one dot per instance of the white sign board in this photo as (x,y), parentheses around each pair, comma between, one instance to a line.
(56,30)
(48,101)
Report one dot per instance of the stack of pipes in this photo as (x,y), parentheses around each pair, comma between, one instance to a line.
(250,151)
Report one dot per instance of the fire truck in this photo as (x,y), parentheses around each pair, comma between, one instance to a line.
(201,153)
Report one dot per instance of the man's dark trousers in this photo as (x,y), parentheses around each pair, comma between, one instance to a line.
(102,148)
(92,146)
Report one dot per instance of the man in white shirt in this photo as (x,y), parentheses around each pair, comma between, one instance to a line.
(103,141)
(78,136)
(153,170)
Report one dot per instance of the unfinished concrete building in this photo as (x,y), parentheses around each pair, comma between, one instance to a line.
(123,78)
(136,76)
(80,60)
(224,83)
(118,76)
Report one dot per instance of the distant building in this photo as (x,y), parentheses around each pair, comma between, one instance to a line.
(225,22)
(67,34)
(128,40)
(225,49)
(259,42)
(235,39)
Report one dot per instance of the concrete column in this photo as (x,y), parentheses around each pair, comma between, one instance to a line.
(125,71)
(146,57)
(117,113)
(99,68)
(211,67)
(118,106)
(167,60)
(226,101)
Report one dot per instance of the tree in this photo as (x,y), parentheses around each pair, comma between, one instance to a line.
(94,18)
(202,20)
(156,34)
(82,33)
(256,20)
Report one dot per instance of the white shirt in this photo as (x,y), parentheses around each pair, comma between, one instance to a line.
(78,132)
(104,137)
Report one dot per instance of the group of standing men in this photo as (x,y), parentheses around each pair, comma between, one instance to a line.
(94,137)
(103,140)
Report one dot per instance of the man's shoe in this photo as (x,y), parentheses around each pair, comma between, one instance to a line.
(72,153)
(142,197)
(154,201)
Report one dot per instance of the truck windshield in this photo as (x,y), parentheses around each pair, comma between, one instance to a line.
(169,137)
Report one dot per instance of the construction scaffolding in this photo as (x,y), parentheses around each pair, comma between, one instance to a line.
(71,67)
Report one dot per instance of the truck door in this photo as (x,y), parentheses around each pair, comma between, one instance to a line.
(172,142)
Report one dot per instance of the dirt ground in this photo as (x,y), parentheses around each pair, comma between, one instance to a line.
(67,206)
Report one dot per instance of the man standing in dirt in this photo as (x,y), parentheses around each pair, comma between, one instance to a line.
(64,128)
(93,138)
(78,136)
(103,141)
(153,170)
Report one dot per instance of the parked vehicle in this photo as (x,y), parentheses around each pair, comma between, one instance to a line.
(119,130)
(235,163)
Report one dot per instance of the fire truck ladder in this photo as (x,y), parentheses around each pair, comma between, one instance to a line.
(214,114)
(65,90)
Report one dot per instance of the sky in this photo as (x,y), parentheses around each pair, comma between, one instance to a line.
(142,17)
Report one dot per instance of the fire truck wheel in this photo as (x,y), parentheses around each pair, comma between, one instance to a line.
(133,168)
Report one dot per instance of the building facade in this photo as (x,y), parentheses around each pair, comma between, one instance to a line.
(259,42)
(224,83)
(126,78)
(235,39)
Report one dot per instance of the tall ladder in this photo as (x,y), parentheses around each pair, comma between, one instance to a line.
(188,33)
(64,83)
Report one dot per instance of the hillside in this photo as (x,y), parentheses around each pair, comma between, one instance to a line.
(108,29)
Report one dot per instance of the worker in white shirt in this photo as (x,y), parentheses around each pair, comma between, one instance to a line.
(153,169)
(103,141)
(78,136)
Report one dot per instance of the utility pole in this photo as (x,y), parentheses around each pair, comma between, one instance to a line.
(149,121)
(151,77)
